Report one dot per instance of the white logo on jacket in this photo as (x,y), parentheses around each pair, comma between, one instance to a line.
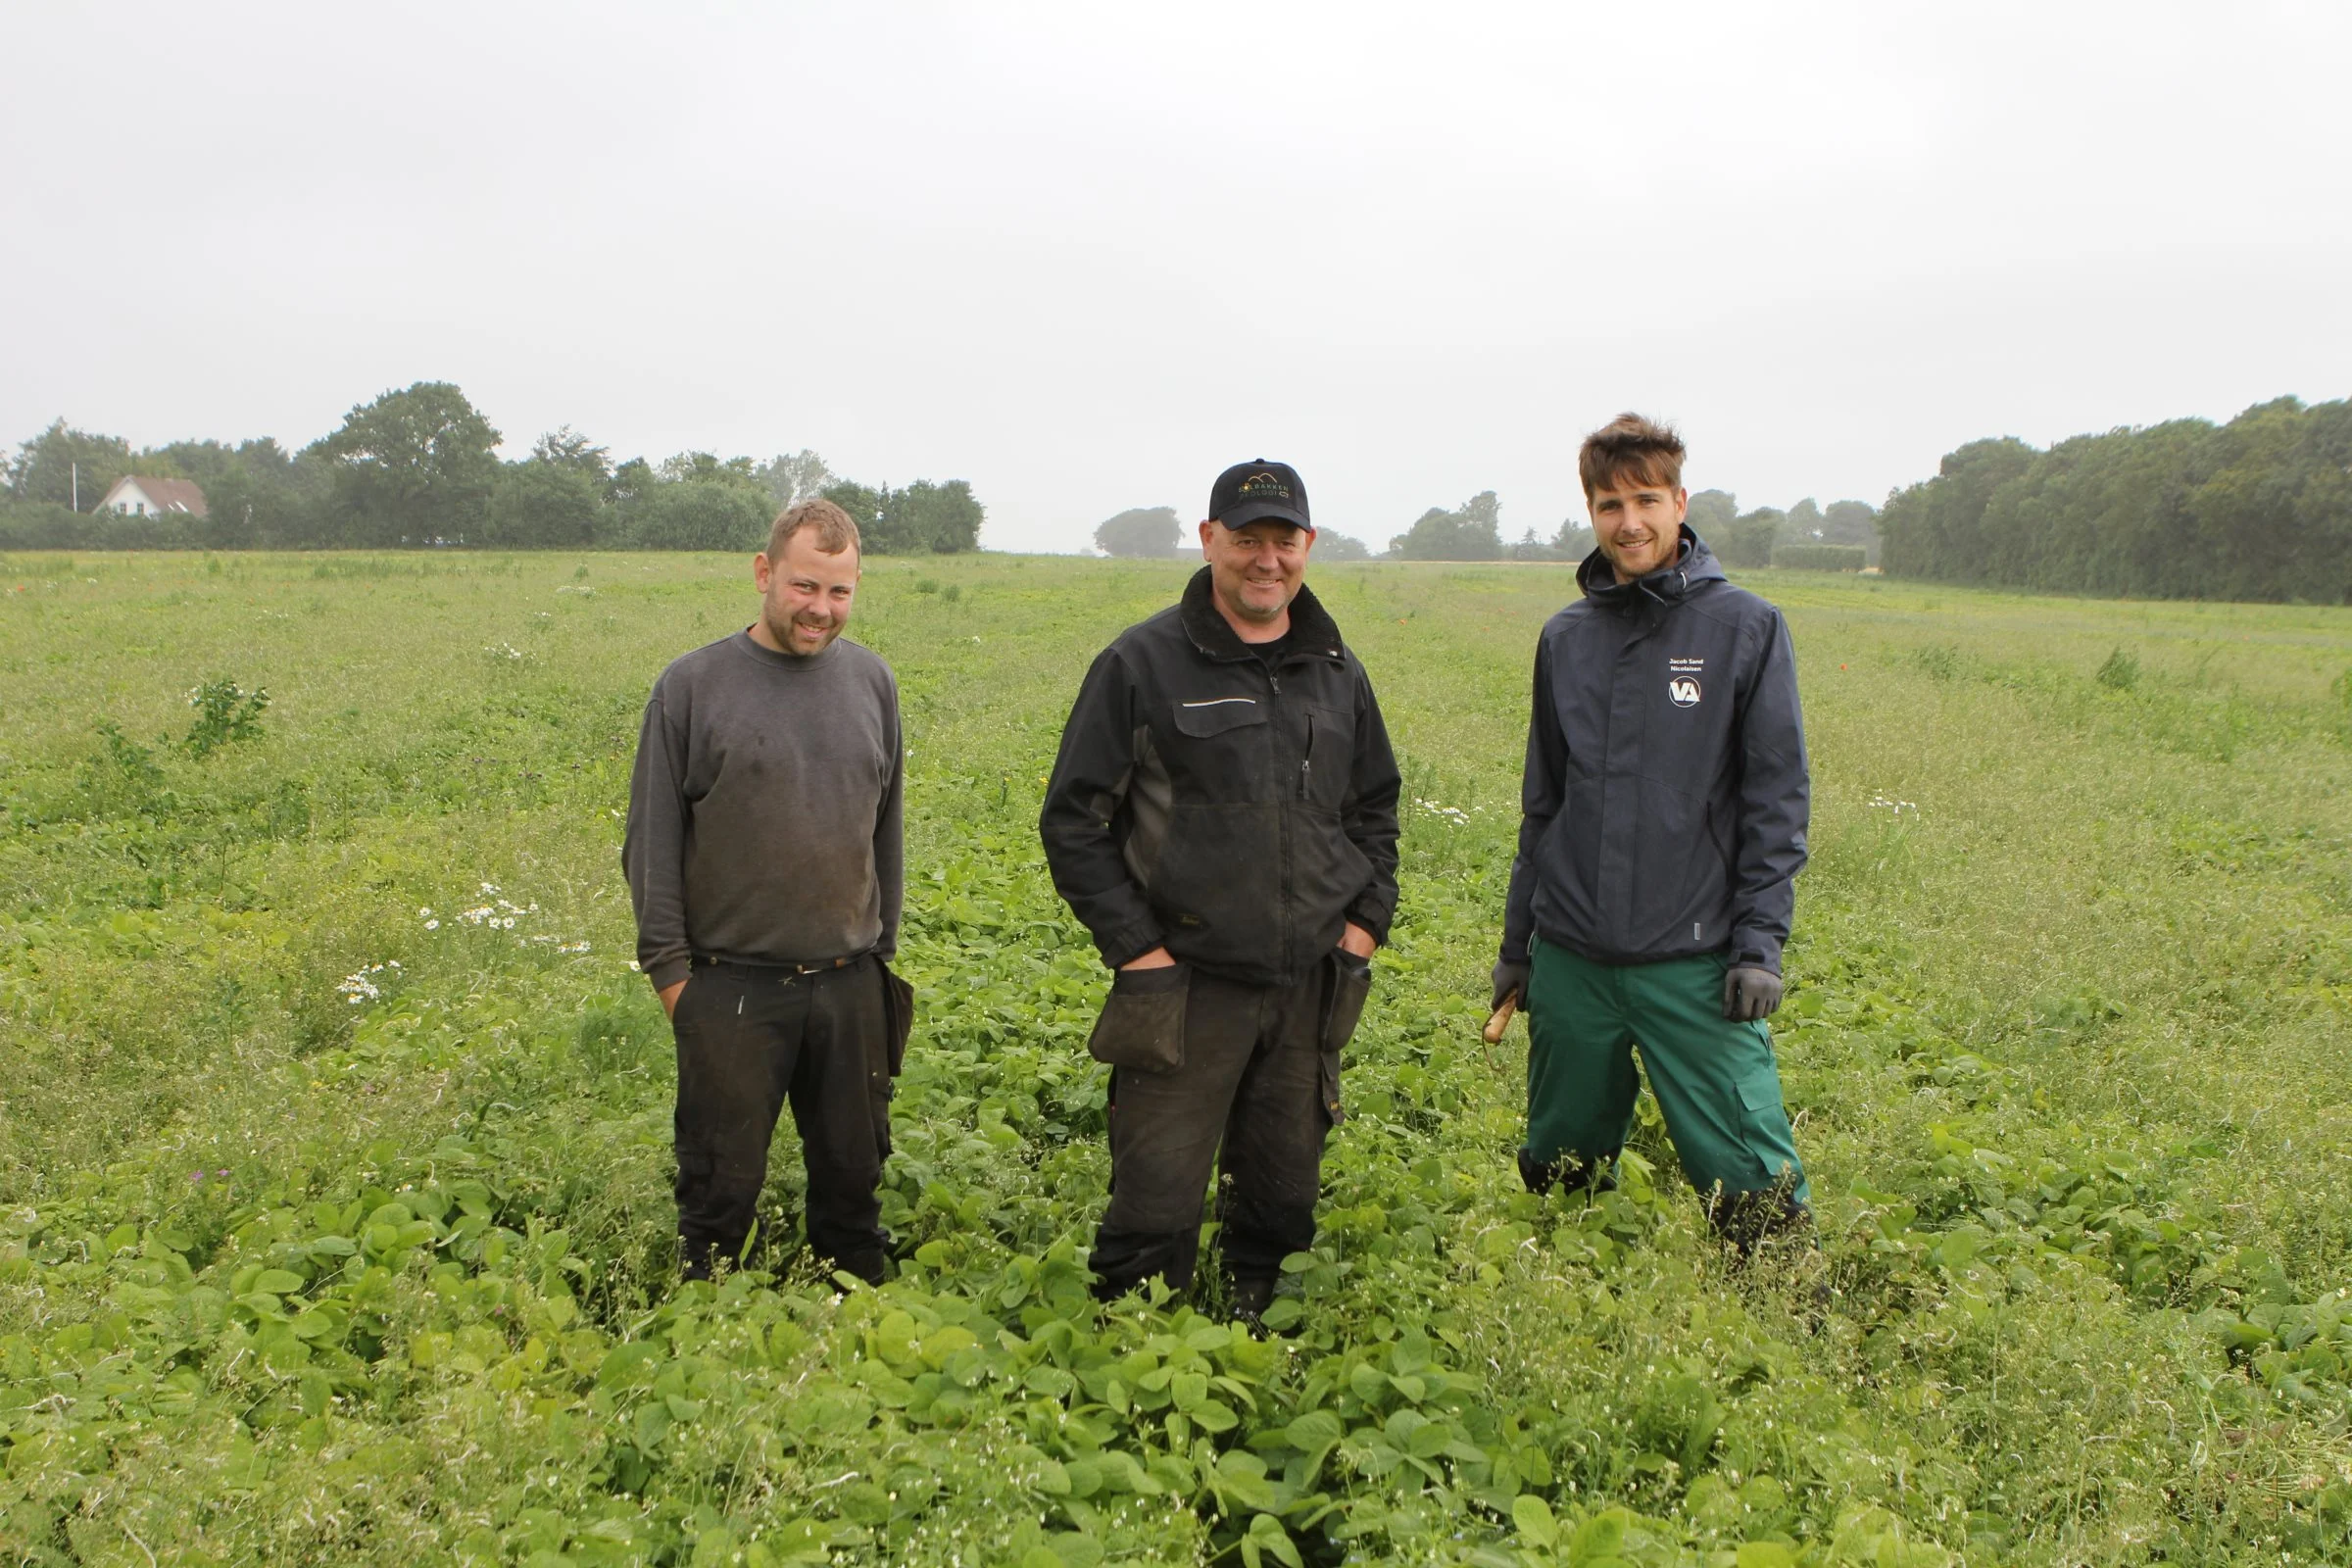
(1681,681)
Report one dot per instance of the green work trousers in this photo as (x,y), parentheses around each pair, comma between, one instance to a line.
(1715,1079)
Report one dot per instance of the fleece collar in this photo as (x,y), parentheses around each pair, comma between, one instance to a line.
(1313,633)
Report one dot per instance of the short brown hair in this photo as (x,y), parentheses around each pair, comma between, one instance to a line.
(836,529)
(1631,447)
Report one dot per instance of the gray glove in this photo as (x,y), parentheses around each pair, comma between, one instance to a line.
(1510,980)
(1750,994)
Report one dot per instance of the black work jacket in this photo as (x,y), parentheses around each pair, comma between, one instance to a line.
(1665,799)
(1238,816)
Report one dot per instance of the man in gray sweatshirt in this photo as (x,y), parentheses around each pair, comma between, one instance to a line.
(763,859)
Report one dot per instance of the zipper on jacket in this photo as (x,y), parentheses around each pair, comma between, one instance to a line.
(1306,764)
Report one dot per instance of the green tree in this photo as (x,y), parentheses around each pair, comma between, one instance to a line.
(1330,546)
(415,466)
(944,518)
(1531,548)
(1935,528)
(1750,538)
(543,504)
(62,466)
(698,515)
(1140,531)
(1804,525)
(630,481)
(257,495)
(565,448)
(790,480)
(1849,522)
(924,518)
(1470,532)
(1574,541)
(1711,515)
(703,467)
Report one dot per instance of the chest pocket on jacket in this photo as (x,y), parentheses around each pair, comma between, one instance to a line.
(1221,754)
(1219,715)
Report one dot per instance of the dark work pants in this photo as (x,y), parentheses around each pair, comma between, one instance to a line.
(749,1039)
(1258,1092)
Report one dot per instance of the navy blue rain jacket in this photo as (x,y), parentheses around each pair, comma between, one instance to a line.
(1665,799)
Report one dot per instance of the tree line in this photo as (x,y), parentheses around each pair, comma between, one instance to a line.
(420,467)
(1842,536)
(2257,509)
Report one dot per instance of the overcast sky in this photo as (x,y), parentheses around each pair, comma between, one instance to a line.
(1085,255)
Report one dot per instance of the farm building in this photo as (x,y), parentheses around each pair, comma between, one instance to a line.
(152,498)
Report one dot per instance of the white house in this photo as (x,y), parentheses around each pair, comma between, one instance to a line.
(153,498)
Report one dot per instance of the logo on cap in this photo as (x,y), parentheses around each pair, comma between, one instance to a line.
(1264,486)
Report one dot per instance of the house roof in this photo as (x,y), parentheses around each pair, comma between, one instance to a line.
(168,495)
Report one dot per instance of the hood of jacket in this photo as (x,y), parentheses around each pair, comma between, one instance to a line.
(1694,565)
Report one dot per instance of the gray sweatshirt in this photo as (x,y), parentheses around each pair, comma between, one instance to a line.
(764,812)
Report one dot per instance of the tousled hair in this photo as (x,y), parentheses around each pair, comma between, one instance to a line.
(836,529)
(1631,447)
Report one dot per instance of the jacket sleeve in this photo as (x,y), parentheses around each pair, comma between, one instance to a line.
(1775,803)
(653,847)
(890,837)
(1370,821)
(1542,786)
(1083,797)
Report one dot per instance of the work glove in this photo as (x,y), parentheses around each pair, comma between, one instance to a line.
(1750,994)
(1510,980)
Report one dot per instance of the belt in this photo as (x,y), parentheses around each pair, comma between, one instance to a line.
(704,960)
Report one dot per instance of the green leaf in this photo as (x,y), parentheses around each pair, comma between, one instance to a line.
(1765,1554)
(1532,1516)
(1314,1430)
(1267,1531)
(1602,1536)
(278,1281)
(1286,1310)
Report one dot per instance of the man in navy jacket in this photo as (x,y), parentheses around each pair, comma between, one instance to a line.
(1663,824)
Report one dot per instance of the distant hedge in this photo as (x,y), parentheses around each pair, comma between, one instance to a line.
(40,525)
(1822,557)
(2259,508)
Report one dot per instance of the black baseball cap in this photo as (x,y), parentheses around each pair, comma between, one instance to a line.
(1260,491)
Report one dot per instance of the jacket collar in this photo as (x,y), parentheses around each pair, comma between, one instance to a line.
(1695,565)
(1313,633)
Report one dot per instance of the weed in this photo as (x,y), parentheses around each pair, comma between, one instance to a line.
(2121,671)
(225,713)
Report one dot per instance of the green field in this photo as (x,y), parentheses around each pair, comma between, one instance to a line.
(335,1230)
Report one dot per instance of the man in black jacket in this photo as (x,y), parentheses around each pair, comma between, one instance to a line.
(1223,819)
(1663,824)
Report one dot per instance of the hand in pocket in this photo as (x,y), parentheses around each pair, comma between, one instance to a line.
(1142,1025)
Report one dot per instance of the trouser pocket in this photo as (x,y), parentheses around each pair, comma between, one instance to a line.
(1142,1025)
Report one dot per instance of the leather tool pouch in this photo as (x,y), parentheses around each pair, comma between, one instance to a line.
(1342,1007)
(1141,1026)
(898,1006)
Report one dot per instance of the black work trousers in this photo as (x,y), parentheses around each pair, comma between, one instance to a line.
(749,1039)
(1257,1094)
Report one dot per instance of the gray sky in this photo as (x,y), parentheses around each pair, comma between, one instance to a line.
(1085,255)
